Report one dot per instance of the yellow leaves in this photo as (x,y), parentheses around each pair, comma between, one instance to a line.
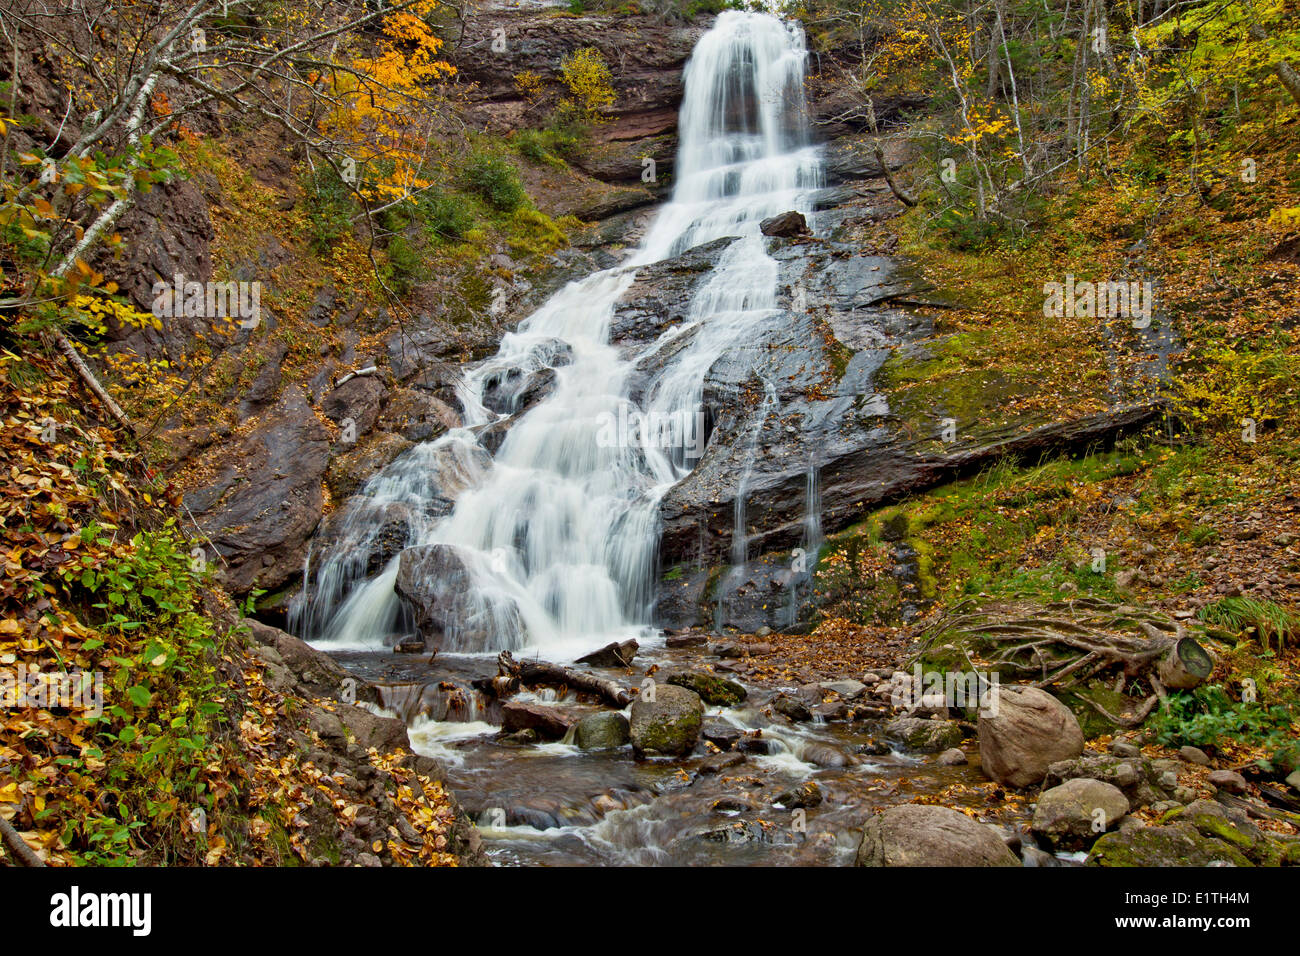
(1285,218)
(588,78)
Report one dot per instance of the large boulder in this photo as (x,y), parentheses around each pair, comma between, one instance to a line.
(1078,809)
(920,835)
(786,225)
(1024,733)
(669,725)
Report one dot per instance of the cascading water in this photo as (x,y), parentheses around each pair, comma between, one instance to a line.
(559,533)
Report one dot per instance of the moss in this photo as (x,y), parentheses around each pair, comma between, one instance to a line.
(1178,844)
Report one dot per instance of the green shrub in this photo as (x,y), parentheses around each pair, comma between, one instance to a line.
(1206,715)
(405,264)
(445,218)
(496,181)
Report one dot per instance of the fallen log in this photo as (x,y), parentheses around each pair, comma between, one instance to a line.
(512,673)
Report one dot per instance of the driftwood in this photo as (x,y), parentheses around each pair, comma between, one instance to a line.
(529,673)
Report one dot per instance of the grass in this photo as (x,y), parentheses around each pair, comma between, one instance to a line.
(1270,623)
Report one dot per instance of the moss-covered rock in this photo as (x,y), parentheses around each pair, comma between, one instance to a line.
(712,689)
(1179,844)
(669,725)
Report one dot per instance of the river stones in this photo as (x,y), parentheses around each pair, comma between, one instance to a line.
(806,795)
(606,730)
(924,736)
(612,655)
(791,708)
(712,689)
(1078,809)
(1023,733)
(920,835)
(548,722)
(669,725)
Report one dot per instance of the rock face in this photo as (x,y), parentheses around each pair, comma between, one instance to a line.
(266,498)
(669,725)
(607,730)
(919,835)
(1030,730)
(1078,808)
(435,586)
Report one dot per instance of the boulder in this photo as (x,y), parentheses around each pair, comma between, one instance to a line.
(612,655)
(806,795)
(1078,808)
(549,723)
(714,690)
(792,708)
(1026,732)
(924,736)
(358,400)
(955,757)
(607,730)
(669,725)
(920,835)
(1228,780)
(786,225)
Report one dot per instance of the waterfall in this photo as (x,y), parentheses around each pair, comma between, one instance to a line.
(559,532)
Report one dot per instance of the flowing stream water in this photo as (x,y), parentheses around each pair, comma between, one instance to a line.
(558,531)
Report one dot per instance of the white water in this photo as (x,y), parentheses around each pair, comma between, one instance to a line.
(561,532)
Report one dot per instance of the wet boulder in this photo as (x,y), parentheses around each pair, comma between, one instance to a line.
(607,730)
(549,723)
(436,585)
(920,835)
(786,225)
(669,725)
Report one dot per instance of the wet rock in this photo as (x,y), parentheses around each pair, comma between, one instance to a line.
(920,835)
(607,730)
(954,757)
(612,655)
(1078,809)
(436,586)
(669,725)
(875,748)
(835,710)
(791,708)
(924,736)
(758,746)
(713,690)
(716,763)
(1024,734)
(416,415)
(807,795)
(357,400)
(549,723)
(723,736)
(733,803)
(824,755)
(354,464)
(266,497)
(678,641)
(786,225)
